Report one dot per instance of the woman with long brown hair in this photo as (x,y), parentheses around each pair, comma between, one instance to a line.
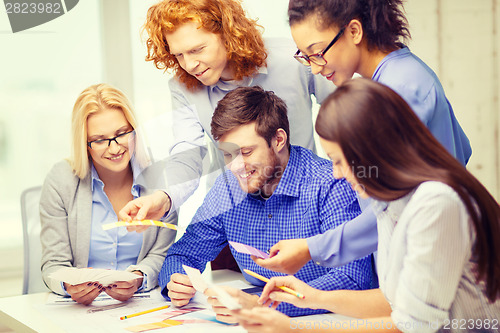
(438,227)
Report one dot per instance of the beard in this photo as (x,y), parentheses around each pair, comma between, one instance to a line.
(266,176)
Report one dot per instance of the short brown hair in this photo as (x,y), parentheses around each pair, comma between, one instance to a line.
(245,105)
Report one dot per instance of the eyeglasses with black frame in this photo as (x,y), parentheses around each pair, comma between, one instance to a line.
(120,139)
(317,58)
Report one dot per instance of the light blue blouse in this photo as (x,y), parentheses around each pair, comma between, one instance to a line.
(419,86)
(115,248)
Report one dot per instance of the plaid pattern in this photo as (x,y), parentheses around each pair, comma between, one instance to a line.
(307,201)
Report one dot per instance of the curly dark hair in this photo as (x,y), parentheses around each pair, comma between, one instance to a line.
(384,23)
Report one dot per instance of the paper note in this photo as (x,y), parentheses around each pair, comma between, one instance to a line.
(143,222)
(243,248)
(200,285)
(196,279)
(227,300)
(73,275)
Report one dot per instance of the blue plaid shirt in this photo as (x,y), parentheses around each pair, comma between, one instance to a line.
(307,201)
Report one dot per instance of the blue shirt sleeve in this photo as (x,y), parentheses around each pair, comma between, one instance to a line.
(350,241)
(339,204)
(201,243)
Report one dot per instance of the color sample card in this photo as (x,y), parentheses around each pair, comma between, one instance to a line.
(243,248)
(143,222)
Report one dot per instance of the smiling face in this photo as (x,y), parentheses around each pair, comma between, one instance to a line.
(200,53)
(341,169)
(256,165)
(105,124)
(343,58)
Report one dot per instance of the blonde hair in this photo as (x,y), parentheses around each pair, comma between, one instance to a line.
(244,44)
(90,101)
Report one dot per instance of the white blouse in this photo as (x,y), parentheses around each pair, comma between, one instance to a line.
(425,263)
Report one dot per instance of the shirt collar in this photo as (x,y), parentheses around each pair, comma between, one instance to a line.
(290,181)
(232,84)
(394,208)
(96,181)
(402,51)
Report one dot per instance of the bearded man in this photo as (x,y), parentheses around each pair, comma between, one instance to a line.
(272,191)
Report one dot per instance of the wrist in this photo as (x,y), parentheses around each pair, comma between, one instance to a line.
(166,201)
(304,250)
(325,299)
(139,281)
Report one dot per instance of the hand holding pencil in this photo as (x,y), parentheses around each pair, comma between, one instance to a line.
(287,289)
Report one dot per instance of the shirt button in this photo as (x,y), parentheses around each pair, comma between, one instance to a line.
(270,216)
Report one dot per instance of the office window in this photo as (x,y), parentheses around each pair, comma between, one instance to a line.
(43,70)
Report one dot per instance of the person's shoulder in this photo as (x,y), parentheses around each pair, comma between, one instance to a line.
(176,86)
(61,169)
(179,91)
(61,178)
(436,192)
(226,184)
(313,165)
(402,68)
(280,52)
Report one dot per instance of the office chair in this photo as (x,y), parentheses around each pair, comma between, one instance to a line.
(30,212)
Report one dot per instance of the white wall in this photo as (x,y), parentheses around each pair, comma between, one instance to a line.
(460,40)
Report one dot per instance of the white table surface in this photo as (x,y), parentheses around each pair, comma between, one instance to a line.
(21,313)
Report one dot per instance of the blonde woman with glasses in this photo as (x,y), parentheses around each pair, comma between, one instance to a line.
(86,191)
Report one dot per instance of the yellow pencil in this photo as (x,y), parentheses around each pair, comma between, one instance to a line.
(266,280)
(144,312)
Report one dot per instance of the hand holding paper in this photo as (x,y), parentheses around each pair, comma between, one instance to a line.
(200,285)
(225,299)
(105,277)
(196,279)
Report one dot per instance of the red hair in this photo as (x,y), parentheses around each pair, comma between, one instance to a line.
(241,36)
